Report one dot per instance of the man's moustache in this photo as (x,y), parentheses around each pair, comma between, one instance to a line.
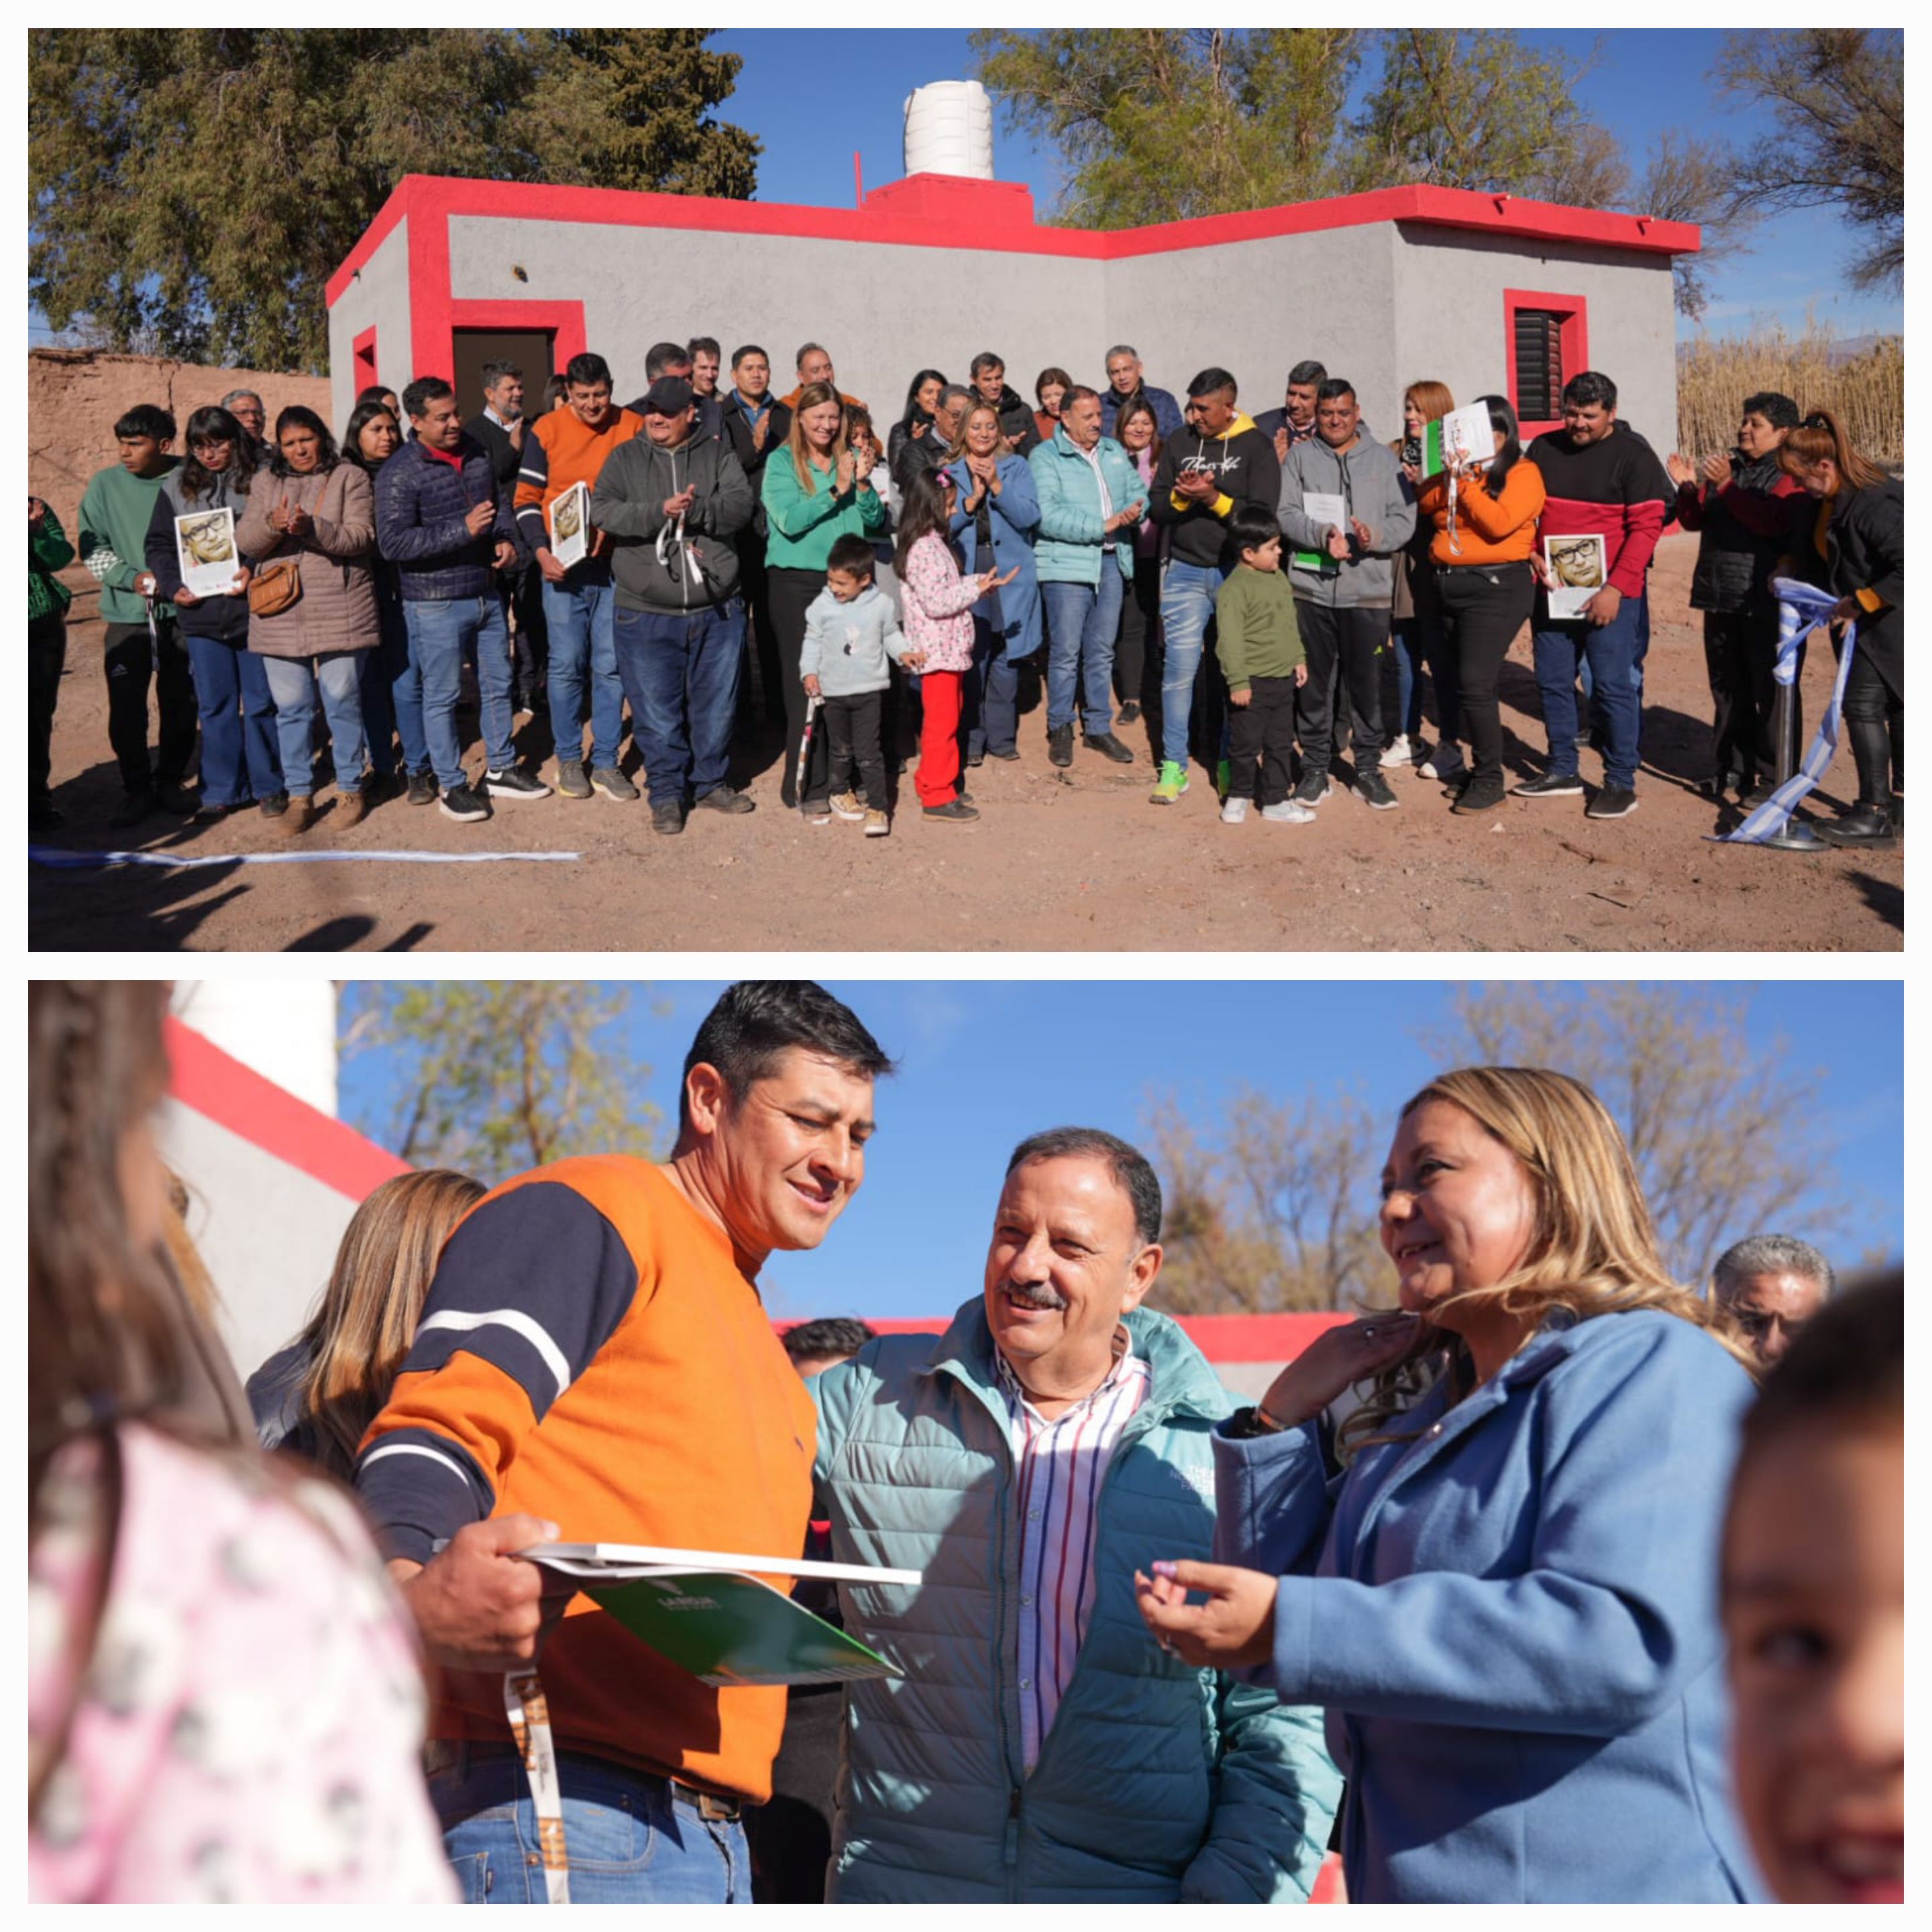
(1030,1296)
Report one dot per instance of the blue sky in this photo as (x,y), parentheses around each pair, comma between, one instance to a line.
(1644,82)
(814,95)
(984,1063)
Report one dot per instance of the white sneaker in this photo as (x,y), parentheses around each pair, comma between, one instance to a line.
(1287,813)
(1233,811)
(1397,751)
(846,806)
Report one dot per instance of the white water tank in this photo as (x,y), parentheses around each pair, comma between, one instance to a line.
(949,129)
(284,1029)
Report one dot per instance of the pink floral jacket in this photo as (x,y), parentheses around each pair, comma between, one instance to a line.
(938,603)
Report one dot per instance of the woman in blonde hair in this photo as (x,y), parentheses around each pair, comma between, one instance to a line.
(1501,1582)
(318,1395)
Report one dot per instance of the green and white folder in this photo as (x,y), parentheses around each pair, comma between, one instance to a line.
(1463,432)
(712,1614)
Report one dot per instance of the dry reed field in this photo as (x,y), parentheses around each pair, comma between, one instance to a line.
(1866,391)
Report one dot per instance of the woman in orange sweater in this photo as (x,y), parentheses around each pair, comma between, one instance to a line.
(1484,587)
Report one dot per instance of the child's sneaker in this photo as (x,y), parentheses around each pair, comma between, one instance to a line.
(1234,811)
(876,824)
(1288,812)
(848,806)
(1173,783)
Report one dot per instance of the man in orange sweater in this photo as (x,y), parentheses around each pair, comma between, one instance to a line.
(561,449)
(594,1363)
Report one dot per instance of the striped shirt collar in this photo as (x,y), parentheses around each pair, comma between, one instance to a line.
(1015,1390)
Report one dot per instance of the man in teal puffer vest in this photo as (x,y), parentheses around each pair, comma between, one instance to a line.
(1039,1746)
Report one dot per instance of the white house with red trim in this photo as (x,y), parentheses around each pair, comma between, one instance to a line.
(1487,292)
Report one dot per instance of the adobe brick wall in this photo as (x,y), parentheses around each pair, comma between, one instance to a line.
(75,396)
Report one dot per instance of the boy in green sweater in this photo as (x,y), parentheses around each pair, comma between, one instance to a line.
(1260,650)
(142,642)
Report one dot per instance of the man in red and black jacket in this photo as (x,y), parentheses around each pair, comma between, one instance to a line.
(1601,478)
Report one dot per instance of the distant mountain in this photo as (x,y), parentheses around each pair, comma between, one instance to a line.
(1845,349)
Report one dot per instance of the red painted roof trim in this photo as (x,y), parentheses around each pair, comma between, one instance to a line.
(1221,1338)
(889,216)
(218,1085)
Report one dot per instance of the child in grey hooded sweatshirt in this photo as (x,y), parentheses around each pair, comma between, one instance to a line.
(851,632)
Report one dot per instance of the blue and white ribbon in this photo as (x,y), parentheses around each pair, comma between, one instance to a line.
(1802,609)
(54,855)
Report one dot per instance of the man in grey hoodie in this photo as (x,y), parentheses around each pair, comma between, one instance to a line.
(674,502)
(1341,569)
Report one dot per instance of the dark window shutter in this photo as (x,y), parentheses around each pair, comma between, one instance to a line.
(1539,364)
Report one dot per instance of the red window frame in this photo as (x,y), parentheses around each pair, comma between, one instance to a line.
(1573,335)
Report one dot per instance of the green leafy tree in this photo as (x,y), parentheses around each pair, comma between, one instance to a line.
(495,1076)
(1161,124)
(1839,95)
(190,189)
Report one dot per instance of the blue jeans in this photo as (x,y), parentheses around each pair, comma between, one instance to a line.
(392,696)
(992,692)
(629,1841)
(580,619)
(681,675)
(291,684)
(1083,619)
(1187,594)
(237,721)
(440,629)
(1612,653)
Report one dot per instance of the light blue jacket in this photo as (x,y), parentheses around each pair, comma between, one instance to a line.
(1156,1782)
(1072,528)
(1014,519)
(1511,1616)
(847,646)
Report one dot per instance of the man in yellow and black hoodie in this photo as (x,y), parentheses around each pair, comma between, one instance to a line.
(1215,460)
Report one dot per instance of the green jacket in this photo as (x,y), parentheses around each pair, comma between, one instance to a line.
(48,550)
(1157,1782)
(114,514)
(1255,632)
(804,528)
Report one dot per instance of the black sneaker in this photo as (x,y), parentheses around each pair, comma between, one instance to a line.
(422,788)
(1551,784)
(1129,713)
(1059,747)
(515,783)
(1612,802)
(723,798)
(274,805)
(1006,751)
(1479,794)
(466,802)
(1108,746)
(1373,789)
(571,780)
(667,815)
(956,811)
(1312,789)
(612,784)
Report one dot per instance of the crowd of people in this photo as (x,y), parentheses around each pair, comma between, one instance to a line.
(1523,1588)
(1139,557)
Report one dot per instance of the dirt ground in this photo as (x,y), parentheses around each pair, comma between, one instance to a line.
(1073,861)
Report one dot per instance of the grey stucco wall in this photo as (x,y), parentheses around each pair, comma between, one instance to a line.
(883,311)
(1257,308)
(1448,317)
(378,298)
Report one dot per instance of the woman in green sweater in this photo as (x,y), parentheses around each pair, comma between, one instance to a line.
(815,491)
(48,550)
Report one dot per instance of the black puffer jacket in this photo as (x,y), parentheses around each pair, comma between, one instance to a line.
(1016,419)
(1745,526)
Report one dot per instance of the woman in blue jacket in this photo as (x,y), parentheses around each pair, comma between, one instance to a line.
(1506,1597)
(1091,502)
(995,513)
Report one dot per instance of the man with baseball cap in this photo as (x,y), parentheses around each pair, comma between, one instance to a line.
(674,502)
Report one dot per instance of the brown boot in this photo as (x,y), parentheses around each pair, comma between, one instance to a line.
(352,808)
(299,817)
